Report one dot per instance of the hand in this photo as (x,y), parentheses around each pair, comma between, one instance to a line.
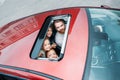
(54,45)
(40,54)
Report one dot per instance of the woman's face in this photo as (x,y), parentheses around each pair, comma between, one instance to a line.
(49,32)
(46,45)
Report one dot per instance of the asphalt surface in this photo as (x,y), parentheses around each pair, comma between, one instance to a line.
(11,10)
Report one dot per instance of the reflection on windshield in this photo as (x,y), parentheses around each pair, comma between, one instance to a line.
(106,44)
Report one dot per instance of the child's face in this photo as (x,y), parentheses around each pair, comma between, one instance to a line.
(49,32)
(46,45)
(52,54)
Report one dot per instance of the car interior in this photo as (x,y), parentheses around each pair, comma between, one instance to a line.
(106,45)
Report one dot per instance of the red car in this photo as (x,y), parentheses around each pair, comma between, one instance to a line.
(65,44)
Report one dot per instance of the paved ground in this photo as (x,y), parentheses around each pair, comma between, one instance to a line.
(14,9)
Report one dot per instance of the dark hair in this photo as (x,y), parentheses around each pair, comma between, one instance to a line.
(43,43)
(49,51)
(51,26)
(59,20)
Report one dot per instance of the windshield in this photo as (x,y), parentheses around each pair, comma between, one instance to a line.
(104,34)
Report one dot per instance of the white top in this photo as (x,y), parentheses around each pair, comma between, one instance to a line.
(59,39)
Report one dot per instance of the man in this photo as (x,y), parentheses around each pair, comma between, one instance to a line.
(60,27)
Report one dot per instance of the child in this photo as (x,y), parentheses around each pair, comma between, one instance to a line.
(51,54)
(45,47)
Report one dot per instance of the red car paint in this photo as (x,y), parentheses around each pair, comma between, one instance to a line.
(17,42)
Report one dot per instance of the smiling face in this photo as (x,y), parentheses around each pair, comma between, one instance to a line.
(49,32)
(60,26)
(52,54)
(46,45)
